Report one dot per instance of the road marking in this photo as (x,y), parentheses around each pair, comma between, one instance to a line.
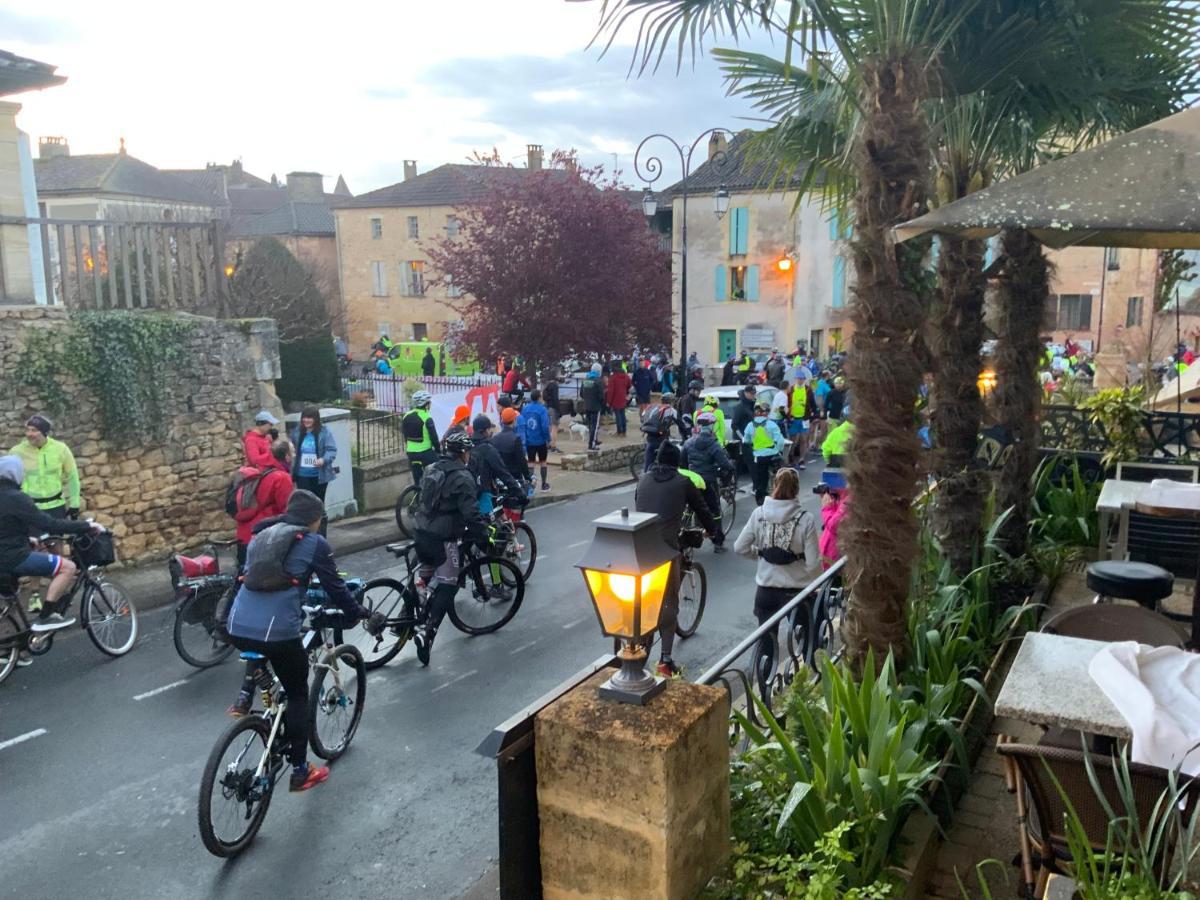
(22,738)
(159,690)
(455,680)
(522,648)
(573,624)
(578,544)
(376,679)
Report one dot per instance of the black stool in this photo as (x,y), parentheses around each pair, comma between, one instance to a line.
(1145,584)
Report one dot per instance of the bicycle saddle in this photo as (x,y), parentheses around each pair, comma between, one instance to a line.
(400,548)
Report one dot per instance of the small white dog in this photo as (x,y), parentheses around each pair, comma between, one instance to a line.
(573,426)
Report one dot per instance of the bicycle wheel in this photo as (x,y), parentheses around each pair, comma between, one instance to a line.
(335,701)
(524,552)
(728,509)
(693,591)
(109,617)
(10,643)
(385,595)
(197,638)
(490,591)
(233,803)
(406,510)
(636,462)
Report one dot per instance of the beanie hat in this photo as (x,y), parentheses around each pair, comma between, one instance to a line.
(304,507)
(40,422)
(481,424)
(461,414)
(668,454)
(508,416)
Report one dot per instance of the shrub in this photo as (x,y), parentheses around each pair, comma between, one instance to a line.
(309,370)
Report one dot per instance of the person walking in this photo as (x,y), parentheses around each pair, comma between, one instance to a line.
(537,434)
(591,396)
(312,465)
(257,440)
(420,435)
(801,409)
(643,384)
(616,395)
(550,401)
(272,487)
(766,444)
(428,363)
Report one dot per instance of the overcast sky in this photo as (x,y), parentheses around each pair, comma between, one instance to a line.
(351,88)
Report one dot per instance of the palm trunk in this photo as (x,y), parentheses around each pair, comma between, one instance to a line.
(891,157)
(1024,287)
(957,406)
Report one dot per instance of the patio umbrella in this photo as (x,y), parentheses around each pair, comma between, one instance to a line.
(1140,189)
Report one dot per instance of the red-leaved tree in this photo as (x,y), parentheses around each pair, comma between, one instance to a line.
(552,264)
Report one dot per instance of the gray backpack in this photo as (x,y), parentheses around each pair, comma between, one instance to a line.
(268,551)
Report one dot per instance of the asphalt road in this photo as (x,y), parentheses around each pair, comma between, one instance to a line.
(100,760)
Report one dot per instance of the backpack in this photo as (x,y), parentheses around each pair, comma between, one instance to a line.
(653,423)
(271,546)
(778,551)
(241,497)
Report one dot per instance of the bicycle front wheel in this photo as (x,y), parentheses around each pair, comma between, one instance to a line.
(728,509)
(233,803)
(385,595)
(524,549)
(335,701)
(693,591)
(490,591)
(197,638)
(110,618)
(406,510)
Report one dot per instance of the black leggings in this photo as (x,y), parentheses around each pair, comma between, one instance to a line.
(290,662)
(315,485)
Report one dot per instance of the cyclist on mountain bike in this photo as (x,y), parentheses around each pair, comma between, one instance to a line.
(420,435)
(656,425)
(266,616)
(447,510)
(704,455)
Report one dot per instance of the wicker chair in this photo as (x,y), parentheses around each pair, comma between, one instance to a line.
(1110,622)
(1045,843)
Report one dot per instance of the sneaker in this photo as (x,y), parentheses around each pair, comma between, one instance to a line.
(499,592)
(719,548)
(52,622)
(667,668)
(801,467)
(545,486)
(310,778)
(240,707)
(423,641)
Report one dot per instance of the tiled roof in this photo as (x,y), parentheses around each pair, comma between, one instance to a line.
(452,184)
(736,172)
(341,190)
(20,74)
(289,218)
(114,173)
(210,181)
(256,200)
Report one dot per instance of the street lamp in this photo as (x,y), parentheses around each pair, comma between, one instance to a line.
(650,170)
(627,568)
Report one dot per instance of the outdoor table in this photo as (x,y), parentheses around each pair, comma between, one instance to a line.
(1172,498)
(1049,685)
(1117,497)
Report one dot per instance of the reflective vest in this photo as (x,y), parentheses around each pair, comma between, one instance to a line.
(762,438)
(719,427)
(837,440)
(745,364)
(51,477)
(693,478)
(799,401)
(411,446)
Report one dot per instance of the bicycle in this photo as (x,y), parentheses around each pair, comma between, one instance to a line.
(728,493)
(693,581)
(514,538)
(496,590)
(244,783)
(406,511)
(200,588)
(105,612)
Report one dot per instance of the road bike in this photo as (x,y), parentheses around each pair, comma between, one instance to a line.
(250,756)
(200,590)
(105,611)
(490,591)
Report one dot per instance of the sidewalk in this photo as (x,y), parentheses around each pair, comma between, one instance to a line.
(149,586)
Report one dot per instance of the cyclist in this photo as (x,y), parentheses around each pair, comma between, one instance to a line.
(19,518)
(509,445)
(704,455)
(689,403)
(488,468)
(446,511)
(711,405)
(656,425)
(266,616)
(743,414)
(420,435)
(766,443)
(51,476)
(461,421)
(666,492)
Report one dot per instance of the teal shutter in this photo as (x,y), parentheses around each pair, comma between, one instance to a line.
(752,283)
(833,226)
(733,230)
(839,282)
(743,230)
(720,288)
(935,251)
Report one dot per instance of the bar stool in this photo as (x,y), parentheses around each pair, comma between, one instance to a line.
(1145,584)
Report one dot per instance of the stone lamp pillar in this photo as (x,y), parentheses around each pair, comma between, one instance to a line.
(633,800)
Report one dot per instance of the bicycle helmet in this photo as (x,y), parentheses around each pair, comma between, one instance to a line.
(668,398)
(695,385)
(706,420)
(422,398)
(457,443)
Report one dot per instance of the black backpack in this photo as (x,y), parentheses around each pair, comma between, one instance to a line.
(268,551)
(778,552)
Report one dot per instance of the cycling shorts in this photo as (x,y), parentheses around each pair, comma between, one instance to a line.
(41,565)
(537,454)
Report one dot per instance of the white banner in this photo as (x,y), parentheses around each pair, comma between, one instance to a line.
(480,399)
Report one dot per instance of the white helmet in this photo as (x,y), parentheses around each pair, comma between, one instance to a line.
(422,398)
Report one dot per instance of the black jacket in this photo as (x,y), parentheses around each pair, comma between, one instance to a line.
(20,519)
(591,394)
(512,452)
(666,493)
(448,502)
(550,396)
(835,401)
(428,366)
(489,470)
(742,417)
(705,456)
(643,384)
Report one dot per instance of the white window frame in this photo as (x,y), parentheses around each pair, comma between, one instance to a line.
(378,278)
(414,228)
(376,229)
(453,225)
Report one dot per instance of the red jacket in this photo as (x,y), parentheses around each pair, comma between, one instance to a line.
(272,497)
(617,393)
(511,378)
(258,448)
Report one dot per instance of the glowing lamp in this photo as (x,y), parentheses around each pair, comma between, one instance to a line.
(784,264)
(986,381)
(627,569)
(229,270)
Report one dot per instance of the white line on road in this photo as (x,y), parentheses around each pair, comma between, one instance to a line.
(21,738)
(573,624)
(159,690)
(376,679)
(455,680)
(578,544)
(521,649)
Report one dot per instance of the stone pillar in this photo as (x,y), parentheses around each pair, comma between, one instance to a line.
(16,267)
(633,800)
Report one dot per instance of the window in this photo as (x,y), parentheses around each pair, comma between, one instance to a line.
(452,226)
(453,290)
(1112,258)
(835,340)
(376,229)
(412,275)
(1133,312)
(1074,312)
(420,332)
(378,279)
(739,230)
(815,337)
(413,230)
(384,328)
(839,282)
(743,283)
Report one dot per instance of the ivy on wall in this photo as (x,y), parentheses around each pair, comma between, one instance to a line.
(119,356)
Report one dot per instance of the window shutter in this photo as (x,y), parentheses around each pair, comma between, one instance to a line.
(752,283)
(839,282)
(720,288)
(833,226)
(935,251)
(743,229)
(990,256)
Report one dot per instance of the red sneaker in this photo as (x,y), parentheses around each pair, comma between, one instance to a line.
(315,776)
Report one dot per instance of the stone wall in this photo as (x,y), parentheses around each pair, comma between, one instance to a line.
(158,496)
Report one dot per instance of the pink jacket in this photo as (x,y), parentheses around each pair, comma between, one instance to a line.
(831,518)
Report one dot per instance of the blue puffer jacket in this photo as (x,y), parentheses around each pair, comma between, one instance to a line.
(537,425)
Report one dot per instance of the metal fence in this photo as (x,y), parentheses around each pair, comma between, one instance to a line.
(1162,434)
(389,392)
(377,435)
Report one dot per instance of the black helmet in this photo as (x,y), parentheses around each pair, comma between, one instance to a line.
(695,385)
(457,443)
(503,401)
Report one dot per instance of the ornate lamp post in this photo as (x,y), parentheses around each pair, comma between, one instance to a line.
(650,170)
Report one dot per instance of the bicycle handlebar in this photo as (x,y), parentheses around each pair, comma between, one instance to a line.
(323,610)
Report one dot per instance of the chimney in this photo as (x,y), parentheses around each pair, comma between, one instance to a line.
(716,144)
(410,169)
(535,156)
(305,186)
(50,147)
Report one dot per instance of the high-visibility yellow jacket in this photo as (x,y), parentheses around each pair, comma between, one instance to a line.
(51,476)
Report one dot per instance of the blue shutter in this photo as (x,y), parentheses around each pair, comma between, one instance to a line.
(743,230)
(839,282)
(752,283)
(720,288)
(935,251)
(733,230)
(833,226)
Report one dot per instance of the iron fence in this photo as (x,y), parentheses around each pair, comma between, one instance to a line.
(389,392)
(1162,435)
(377,435)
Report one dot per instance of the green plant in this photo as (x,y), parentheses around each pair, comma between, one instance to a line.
(308,370)
(1064,504)
(1118,411)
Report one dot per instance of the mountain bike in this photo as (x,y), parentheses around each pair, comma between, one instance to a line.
(105,611)
(490,591)
(728,493)
(200,587)
(406,511)
(250,756)
(514,539)
(693,583)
